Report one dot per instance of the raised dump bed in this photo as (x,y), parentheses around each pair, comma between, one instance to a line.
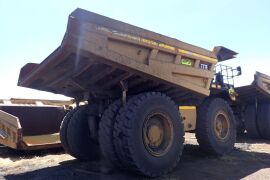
(255,102)
(258,90)
(27,124)
(98,52)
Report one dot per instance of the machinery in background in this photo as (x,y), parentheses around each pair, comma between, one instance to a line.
(29,124)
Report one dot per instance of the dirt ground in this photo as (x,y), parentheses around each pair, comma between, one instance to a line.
(249,160)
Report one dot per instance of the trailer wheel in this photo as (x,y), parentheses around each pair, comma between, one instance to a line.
(79,138)
(251,122)
(63,130)
(151,134)
(263,120)
(105,133)
(216,127)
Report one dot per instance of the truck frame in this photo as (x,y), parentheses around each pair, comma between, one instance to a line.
(134,80)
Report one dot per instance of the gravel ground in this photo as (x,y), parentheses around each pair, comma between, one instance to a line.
(249,160)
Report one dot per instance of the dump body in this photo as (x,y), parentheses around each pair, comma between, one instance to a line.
(97,53)
(258,91)
(31,124)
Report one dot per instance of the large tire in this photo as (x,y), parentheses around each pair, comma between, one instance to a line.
(105,133)
(209,113)
(251,125)
(130,134)
(78,136)
(63,130)
(117,133)
(263,120)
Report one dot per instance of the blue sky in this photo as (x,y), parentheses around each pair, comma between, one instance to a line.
(31,30)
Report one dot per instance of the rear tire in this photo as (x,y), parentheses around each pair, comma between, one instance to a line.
(151,134)
(79,138)
(216,127)
(105,133)
(263,120)
(251,122)
(63,130)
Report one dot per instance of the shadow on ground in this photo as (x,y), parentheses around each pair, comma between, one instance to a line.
(194,164)
(245,139)
(14,155)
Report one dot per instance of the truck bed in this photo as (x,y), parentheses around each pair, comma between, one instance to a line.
(97,53)
(28,124)
(259,90)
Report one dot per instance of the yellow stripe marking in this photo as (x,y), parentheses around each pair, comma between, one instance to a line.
(187,107)
(162,45)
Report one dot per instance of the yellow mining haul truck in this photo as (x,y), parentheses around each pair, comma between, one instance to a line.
(134,81)
(30,124)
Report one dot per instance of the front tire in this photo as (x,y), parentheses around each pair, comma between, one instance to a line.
(216,127)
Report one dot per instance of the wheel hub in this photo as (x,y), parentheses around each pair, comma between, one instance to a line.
(157,134)
(221,125)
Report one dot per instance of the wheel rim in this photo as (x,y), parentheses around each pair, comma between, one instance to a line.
(221,125)
(157,134)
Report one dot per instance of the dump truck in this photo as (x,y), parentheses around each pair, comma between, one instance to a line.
(31,124)
(134,81)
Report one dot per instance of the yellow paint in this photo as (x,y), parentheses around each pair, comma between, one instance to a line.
(205,57)
(187,107)
(189,116)
(184,51)
(215,86)
(197,55)
(162,45)
(166,46)
(41,139)
(149,42)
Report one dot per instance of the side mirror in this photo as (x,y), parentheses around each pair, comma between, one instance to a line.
(239,70)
